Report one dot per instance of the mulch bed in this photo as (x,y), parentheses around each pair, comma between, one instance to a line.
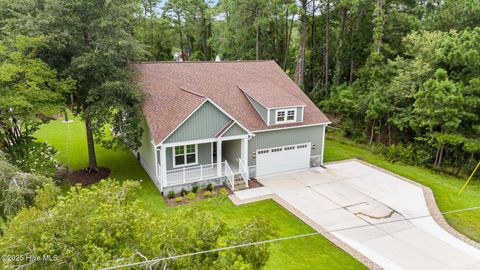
(199,196)
(253,183)
(84,178)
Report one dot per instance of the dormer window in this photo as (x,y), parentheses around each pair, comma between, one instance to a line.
(285,116)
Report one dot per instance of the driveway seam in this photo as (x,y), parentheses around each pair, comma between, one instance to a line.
(432,206)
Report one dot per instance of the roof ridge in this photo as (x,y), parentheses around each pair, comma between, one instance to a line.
(200,62)
(191,92)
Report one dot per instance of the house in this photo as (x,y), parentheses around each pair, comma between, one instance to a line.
(225,122)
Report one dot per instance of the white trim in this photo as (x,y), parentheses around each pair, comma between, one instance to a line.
(254,107)
(303,113)
(184,156)
(231,117)
(183,121)
(323,144)
(286,111)
(223,133)
(201,104)
(254,99)
(228,138)
(288,107)
(155,158)
(268,117)
(163,166)
(269,108)
(274,129)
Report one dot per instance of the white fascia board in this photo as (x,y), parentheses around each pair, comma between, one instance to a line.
(273,129)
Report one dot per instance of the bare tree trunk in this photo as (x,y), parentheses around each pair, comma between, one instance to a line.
(327,40)
(312,52)
(372,132)
(389,134)
(257,44)
(300,69)
(352,57)
(180,32)
(339,59)
(92,159)
(206,54)
(288,34)
(379,15)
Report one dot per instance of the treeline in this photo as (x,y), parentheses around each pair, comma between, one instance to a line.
(400,74)
(397,73)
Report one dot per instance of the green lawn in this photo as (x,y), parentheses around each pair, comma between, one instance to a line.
(444,187)
(313,252)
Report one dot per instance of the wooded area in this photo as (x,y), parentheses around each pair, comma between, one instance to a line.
(400,74)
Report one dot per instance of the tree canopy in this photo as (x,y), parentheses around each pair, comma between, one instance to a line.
(104,226)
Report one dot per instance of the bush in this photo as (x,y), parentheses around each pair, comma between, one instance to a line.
(191,196)
(412,154)
(223,191)
(210,187)
(207,194)
(183,192)
(179,200)
(18,189)
(171,194)
(195,189)
(33,157)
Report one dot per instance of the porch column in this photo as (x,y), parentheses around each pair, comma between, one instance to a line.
(323,144)
(163,165)
(219,158)
(244,154)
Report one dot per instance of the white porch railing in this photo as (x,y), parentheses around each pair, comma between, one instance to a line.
(230,176)
(192,174)
(243,169)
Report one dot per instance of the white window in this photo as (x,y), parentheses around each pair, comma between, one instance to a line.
(184,155)
(285,116)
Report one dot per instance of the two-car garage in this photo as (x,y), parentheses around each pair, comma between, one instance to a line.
(281,159)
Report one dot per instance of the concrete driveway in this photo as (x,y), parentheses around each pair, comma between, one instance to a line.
(373,212)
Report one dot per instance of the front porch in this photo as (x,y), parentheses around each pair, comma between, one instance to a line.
(219,160)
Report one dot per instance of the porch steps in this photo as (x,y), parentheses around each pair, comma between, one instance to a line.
(239,184)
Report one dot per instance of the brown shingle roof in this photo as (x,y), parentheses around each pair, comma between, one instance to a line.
(270,95)
(175,89)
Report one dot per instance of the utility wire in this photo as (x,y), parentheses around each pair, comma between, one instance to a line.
(174,257)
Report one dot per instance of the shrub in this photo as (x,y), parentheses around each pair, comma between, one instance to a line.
(33,157)
(171,194)
(207,194)
(213,193)
(18,189)
(183,192)
(223,191)
(191,196)
(195,189)
(210,187)
(179,200)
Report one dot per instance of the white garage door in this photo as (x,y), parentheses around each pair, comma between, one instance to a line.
(282,159)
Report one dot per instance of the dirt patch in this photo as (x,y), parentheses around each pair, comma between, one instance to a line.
(200,195)
(84,178)
(253,183)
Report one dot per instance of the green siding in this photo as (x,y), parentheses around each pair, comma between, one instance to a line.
(234,130)
(205,123)
(204,155)
(260,109)
(274,138)
(231,151)
(147,150)
(273,114)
